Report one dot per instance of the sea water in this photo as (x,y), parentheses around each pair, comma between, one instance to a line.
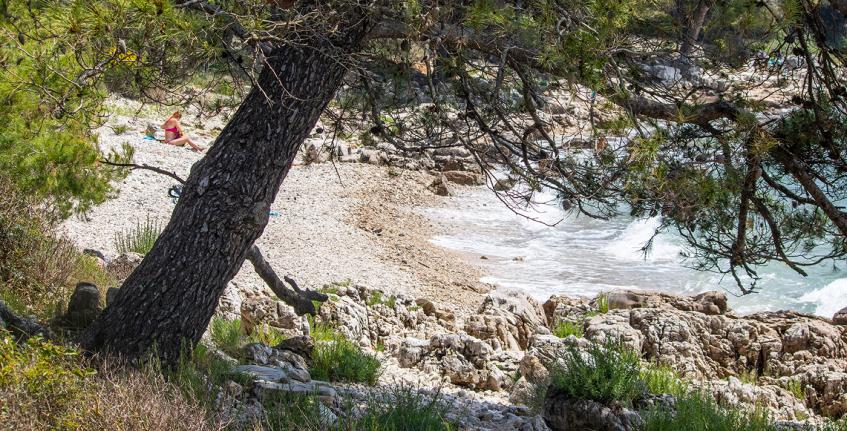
(585,256)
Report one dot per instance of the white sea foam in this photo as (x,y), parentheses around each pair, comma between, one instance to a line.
(584,256)
(828,299)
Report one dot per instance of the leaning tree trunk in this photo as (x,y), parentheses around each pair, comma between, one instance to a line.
(170,298)
(693,28)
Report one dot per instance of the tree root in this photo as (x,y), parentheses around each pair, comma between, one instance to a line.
(21,327)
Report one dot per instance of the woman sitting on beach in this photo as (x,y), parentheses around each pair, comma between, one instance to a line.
(174,134)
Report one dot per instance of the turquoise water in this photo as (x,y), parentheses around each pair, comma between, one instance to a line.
(584,256)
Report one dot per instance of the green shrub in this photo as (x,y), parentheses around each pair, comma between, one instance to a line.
(603,373)
(404,409)
(321,331)
(139,239)
(120,129)
(376,297)
(565,329)
(292,411)
(340,360)
(662,379)
(697,411)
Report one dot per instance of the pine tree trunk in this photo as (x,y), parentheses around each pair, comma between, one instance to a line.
(170,298)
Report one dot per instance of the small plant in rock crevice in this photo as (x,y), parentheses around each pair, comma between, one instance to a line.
(565,329)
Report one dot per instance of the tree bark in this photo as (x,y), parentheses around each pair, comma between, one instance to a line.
(168,300)
(695,25)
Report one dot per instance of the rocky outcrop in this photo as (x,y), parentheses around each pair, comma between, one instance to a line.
(507,319)
(700,338)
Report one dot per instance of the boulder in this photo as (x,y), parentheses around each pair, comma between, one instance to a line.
(464,178)
(301,346)
(97,255)
(84,306)
(440,187)
(840,317)
(569,309)
(565,414)
(123,265)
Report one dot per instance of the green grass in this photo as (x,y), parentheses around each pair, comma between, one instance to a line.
(321,331)
(697,411)
(602,303)
(139,239)
(405,409)
(266,335)
(197,368)
(332,288)
(395,409)
(610,372)
(662,379)
(229,336)
(376,297)
(749,377)
(226,334)
(565,329)
(339,360)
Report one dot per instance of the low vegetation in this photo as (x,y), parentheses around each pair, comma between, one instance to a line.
(603,373)
(662,379)
(697,411)
(230,337)
(340,360)
(566,329)
(139,239)
(45,385)
(38,269)
(378,297)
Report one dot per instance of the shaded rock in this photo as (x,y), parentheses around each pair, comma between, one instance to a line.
(96,254)
(569,309)
(324,391)
(464,178)
(439,186)
(840,317)
(84,306)
(565,414)
(259,372)
(301,346)
(293,366)
(122,266)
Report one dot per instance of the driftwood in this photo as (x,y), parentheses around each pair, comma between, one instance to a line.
(286,288)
